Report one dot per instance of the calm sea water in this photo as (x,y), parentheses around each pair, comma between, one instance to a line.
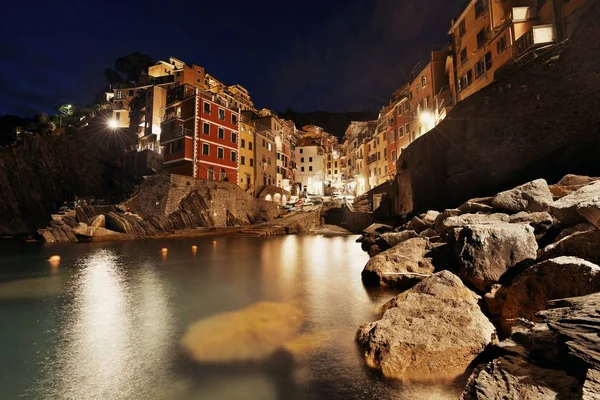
(107,322)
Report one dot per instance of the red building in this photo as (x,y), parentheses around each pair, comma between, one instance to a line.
(199,134)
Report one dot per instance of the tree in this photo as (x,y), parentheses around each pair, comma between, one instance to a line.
(65,111)
(128,68)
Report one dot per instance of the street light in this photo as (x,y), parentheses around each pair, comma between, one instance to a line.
(113,123)
(427,119)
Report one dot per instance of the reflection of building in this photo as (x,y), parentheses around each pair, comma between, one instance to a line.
(310,159)
(200,134)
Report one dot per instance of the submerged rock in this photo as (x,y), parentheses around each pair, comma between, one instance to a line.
(251,334)
(431,332)
(403,265)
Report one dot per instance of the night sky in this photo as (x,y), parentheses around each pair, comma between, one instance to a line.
(334,55)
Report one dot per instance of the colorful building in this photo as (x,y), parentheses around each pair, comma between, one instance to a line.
(200,135)
(310,158)
(247,169)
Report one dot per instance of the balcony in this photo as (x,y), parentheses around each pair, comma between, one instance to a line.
(176,133)
(371,159)
(538,36)
(170,116)
(180,93)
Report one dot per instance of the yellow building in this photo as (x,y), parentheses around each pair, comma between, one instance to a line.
(247,142)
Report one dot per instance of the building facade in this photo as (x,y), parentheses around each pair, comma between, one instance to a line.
(310,158)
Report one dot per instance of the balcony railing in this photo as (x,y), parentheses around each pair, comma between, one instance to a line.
(176,133)
(538,36)
(371,159)
(171,115)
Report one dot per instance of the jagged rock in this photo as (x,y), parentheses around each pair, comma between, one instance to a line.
(428,337)
(391,239)
(539,221)
(496,298)
(403,265)
(551,279)
(473,207)
(591,386)
(463,220)
(443,216)
(377,229)
(586,199)
(47,236)
(429,218)
(584,226)
(417,224)
(590,210)
(534,342)
(579,244)
(512,377)
(570,183)
(374,250)
(532,196)
(487,251)
(98,221)
(367,242)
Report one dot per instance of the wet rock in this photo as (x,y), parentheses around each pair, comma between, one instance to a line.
(539,221)
(47,236)
(377,228)
(463,220)
(367,242)
(579,244)
(443,216)
(488,251)
(403,265)
(428,337)
(392,239)
(532,196)
(551,279)
(251,334)
(512,377)
(587,198)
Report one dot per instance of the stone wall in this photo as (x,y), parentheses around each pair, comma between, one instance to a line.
(540,120)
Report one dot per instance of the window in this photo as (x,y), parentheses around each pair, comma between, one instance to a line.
(264,143)
(205,149)
(223,175)
(211,173)
(117,115)
(130,93)
(488,61)
(252,162)
(119,95)
(336,164)
(269,146)
(301,151)
(233,156)
(462,28)
(335,172)
(249,145)
(400,131)
(221,133)
(301,169)
(501,45)
(243,144)
(221,114)
(206,108)
(463,56)
(310,168)
(206,128)
(177,146)
(378,155)
(418,87)
(479,9)
(481,36)
(309,159)
(302,159)
(234,119)
(393,155)
(233,137)
(220,153)
(242,160)
(392,136)
(479,68)
(424,80)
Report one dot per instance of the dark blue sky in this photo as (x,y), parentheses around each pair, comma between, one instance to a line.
(332,55)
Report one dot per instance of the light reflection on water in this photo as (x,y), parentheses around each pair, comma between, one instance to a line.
(108,323)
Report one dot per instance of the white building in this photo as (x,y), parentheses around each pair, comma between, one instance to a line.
(310,165)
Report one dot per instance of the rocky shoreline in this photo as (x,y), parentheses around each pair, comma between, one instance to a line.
(504,288)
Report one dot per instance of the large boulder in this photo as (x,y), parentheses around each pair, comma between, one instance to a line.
(486,251)
(578,206)
(551,279)
(570,183)
(474,206)
(403,265)
(584,244)
(430,333)
(377,228)
(460,221)
(532,196)
(443,216)
(512,377)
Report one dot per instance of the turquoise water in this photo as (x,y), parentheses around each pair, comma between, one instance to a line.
(107,322)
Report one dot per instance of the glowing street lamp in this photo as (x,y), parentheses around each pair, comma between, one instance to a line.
(113,123)
(427,119)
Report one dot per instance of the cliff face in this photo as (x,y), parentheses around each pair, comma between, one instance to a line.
(539,120)
(41,172)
